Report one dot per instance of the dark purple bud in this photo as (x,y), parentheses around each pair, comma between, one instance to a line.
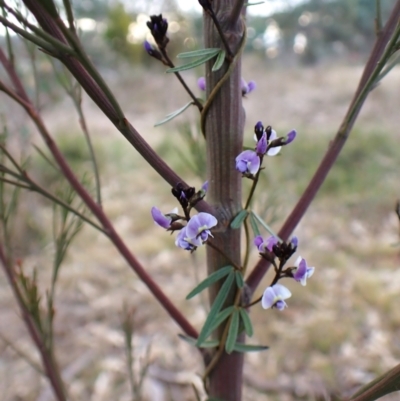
(206,4)
(258,130)
(269,131)
(151,51)
(158,27)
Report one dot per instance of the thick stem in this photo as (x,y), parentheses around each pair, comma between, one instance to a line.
(224,128)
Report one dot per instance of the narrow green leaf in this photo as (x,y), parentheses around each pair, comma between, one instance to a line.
(232,332)
(249,348)
(239,279)
(211,279)
(223,315)
(254,225)
(239,218)
(175,113)
(217,305)
(199,53)
(219,61)
(265,225)
(193,64)
(248,327)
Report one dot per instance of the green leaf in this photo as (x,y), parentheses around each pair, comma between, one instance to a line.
(248,327)
(265,225)
(175,113)
(200,53)
(232,332)
(239,279)
(254,225)
(219,61)
(193,64)
(223,315)
(211,279)
(217,305)
(249,348)
(239,219)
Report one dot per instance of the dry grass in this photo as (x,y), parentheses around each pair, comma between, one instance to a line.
(338,332)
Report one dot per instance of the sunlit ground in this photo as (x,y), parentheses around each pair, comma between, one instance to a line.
(338,332)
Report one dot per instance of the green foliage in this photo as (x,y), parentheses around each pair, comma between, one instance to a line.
(210,280)
(239,219)
(216,307)
(117,31)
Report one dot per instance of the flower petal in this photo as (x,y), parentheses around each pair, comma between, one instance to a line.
(160,219)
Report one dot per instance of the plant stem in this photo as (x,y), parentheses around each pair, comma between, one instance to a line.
(379,55)
(181,80)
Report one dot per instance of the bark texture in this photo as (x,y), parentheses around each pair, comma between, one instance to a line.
(224,135)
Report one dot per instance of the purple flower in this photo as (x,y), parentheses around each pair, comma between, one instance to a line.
(247,87)
(248,162)
(290,136)
(204,187)
(294,242)
(302,272)
(201,83)
(268,243)
(274,297)
(163,220)
(262,144)
(199,226)
(185,242)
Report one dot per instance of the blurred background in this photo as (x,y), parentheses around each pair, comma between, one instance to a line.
(306,58)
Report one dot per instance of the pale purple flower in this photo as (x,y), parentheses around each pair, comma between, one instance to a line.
(274,297)
(248,162)
(163,220)
(294,242)
(268,243)
(185,242)
(201,83)
(302,271)
(199,226)
(247,87)
(204,187)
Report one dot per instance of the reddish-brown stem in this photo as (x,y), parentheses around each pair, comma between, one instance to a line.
(337,144)
(50,25)
(50,366)
(102,217)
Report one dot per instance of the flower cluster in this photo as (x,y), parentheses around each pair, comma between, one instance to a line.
(197,228)
(249,161)
(270,248)
(246,87)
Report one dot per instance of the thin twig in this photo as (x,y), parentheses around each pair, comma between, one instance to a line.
(48,360)
(97,211)
(181,80)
